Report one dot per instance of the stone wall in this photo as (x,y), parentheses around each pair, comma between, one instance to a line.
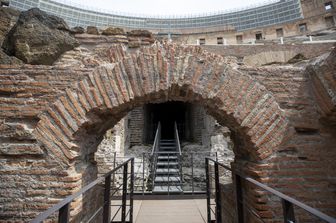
(136,126)
(113,145)
(31,181)
(311,142)
(220,147)
(53,119)
(307,50)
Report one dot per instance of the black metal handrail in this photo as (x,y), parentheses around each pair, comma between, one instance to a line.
(177,142)
(189,160)
(63,207)
(177,138)
(287,202)
(154,154)
(157,138)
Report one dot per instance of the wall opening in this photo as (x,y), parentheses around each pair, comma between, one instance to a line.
(220,40)
(303,28)
(221,92)
(239,39)
(166,113)
(259,36)
(279,32)
(200,136)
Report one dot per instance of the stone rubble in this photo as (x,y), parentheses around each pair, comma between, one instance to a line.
(38,38)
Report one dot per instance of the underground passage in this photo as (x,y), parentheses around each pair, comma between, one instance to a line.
(167,114)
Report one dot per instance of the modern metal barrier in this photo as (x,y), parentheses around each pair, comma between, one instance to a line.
(192,168)
(154,153)
(106,208)
(215,214)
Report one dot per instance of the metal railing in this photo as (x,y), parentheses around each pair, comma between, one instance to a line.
(215,215)
(191,165)
(126,215)
(177,138)
(154,153)
(179,154)
(157,138)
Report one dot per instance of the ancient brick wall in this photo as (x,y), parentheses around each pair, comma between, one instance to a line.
(31,180)
(312,141)
(52,120)
(307,50)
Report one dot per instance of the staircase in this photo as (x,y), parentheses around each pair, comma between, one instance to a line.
(167,177)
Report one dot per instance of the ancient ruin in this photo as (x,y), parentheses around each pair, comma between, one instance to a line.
(76,102)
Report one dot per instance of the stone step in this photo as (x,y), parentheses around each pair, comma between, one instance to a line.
(164,189)
(166,179)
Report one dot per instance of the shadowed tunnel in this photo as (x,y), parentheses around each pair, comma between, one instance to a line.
(167,113)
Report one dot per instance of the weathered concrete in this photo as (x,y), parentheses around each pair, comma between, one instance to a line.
(53,118)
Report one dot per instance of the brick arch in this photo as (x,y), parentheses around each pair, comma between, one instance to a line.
(160,73)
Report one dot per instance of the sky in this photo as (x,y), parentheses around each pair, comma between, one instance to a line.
(167,7)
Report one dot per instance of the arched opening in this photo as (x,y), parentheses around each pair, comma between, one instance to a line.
(206,138)
(158,75)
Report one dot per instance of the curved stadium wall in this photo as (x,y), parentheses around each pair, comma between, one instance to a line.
(271,13)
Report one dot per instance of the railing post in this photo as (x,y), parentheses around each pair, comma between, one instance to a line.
(123,204)
(114,165)
(218,197)
(192,172)
(180,168)
(143,173)
(107,200)
(288,211)
(239,199)
(131,191)
(168,176)
(153,161)
(64,214)
(208,189)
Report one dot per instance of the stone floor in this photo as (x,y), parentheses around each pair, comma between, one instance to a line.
(162,211)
